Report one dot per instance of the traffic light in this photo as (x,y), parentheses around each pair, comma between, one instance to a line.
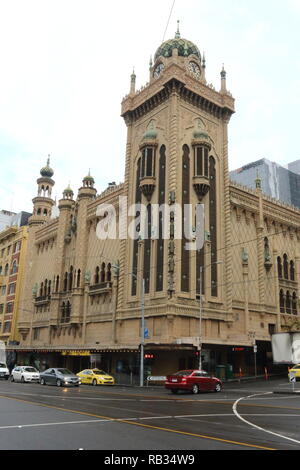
(149,356)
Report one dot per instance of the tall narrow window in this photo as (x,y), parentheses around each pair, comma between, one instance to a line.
(288,303)
(213,226)
(161,201)
(147,252)
(108,273)
(71,278)
(97,275)
(292,271)
(295,304)
(102,273)
(135,242)
(279,267)
(185,254)
(285,267)
(282,301)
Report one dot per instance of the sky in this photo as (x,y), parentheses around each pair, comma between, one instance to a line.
(65,67)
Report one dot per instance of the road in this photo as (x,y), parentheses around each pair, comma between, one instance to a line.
(247,416)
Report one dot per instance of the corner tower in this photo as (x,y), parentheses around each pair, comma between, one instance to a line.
(43,202)
(177,154)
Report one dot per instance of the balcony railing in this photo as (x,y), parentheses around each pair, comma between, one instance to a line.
(101,288)
(42,300)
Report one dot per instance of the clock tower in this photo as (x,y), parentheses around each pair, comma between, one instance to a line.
(177,156)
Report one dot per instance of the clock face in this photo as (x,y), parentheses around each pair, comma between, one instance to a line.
(158,70)
(194,69)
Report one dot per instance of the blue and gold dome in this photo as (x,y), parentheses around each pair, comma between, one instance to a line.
(46,171)
(185,48)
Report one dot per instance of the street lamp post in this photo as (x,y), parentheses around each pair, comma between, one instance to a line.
(142,333)
(202,268)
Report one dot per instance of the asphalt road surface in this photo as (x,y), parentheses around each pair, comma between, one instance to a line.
(248,416)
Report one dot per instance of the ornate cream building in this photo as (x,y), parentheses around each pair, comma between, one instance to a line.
(82,295)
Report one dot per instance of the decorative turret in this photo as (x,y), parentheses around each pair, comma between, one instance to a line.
(87,190)
(132,83)
(43,202)
(223,80)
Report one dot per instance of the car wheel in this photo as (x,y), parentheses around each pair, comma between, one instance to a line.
(58,383)
(94,382)
(218,388)
(174,392)
(42,382)
(195,389)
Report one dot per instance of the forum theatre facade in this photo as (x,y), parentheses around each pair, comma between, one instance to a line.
(83,294)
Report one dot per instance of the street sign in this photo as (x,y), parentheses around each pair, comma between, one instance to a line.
(292,378)
(255,348)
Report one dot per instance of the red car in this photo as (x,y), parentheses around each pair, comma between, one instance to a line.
(194,381)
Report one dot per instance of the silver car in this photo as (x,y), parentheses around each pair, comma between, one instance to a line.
(59,377)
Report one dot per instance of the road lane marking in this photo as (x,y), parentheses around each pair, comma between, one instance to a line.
(132,421)
(234,408)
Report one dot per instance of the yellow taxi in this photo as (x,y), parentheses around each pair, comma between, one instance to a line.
(95,377)
(295,370)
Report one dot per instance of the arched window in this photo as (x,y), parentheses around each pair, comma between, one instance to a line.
(285,267)
(41,289)
(78,278)
(0,269)
(71,278)
(147,162)
(282,302)
(288,303)
(63,312)
(6,270)
(57,284)
(201,167)
(46,287)
(279,267)
(102,273)
(14,268)
(66,282)
(97,275)
(49,288)
(292,271)
(295,304)
(108,274)
(68,312)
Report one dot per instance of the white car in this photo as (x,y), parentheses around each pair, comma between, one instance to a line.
(4,372)
(25,374)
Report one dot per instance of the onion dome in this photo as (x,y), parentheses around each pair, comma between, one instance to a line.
(185,48)
(47,171)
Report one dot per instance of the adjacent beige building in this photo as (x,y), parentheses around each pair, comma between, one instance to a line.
(82,295)
(13,244)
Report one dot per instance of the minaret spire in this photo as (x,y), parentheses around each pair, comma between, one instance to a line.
(132,83)
(177,35)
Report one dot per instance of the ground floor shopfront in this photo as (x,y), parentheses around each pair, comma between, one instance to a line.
(224,361)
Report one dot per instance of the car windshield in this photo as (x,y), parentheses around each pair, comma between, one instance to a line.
(99,372)
(2,365)
(64,372)
(184,373)
(30,369)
